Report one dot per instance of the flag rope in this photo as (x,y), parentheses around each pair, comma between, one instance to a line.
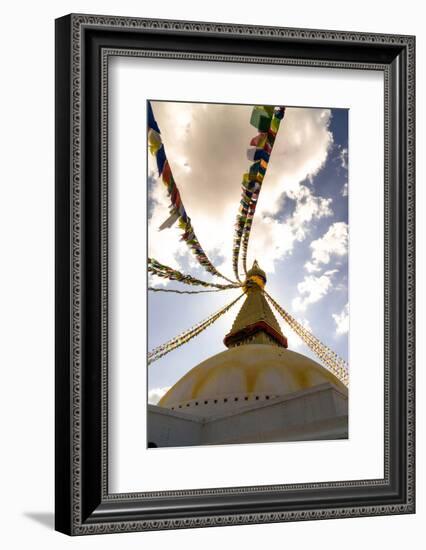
(187,335)
(166,272)
(176,208)
(157,289)
(335,364)
(267,120)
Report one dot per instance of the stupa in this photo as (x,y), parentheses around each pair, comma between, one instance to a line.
(257,390)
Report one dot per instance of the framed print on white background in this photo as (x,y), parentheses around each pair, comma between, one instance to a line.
(152,108)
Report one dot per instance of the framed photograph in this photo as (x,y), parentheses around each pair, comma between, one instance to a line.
(234,274)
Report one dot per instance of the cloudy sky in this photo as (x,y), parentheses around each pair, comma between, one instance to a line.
(299,234)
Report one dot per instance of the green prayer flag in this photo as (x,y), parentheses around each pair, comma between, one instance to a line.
(260,119)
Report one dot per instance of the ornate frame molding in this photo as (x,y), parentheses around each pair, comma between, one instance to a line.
(84,505)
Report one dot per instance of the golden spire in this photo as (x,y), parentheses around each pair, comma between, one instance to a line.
(255,276)
(255,322)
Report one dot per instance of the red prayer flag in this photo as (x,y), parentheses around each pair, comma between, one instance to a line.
(167,172)
(255,141)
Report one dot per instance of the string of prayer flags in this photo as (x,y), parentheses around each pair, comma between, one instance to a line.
(327,356)
(166,272)
(183,338)
(276,115)
(177,212)
(266,119)
(157,289)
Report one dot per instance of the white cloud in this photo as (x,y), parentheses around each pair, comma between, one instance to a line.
(272,240)
(343,156)
(333,242)
(308,207)
(206,146)
(345,190)
(312,289)
(311,267)
(156,394)
(342,320)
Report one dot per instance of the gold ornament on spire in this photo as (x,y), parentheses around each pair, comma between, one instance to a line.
(255,277)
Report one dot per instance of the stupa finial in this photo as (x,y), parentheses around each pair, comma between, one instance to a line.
(256,276)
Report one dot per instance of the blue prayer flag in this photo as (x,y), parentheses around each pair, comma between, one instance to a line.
(161,159)
(152,123)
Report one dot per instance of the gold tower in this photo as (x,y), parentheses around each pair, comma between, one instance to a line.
(255,322)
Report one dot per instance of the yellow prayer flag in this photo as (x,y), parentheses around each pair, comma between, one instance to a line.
(154,140)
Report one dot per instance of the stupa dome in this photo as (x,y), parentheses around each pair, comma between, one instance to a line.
(245,375)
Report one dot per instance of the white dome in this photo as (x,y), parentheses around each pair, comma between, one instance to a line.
(242,375)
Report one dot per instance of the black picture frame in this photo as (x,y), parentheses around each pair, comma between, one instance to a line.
(83,45)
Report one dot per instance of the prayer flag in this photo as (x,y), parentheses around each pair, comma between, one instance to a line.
(275,124)
(259,140)
(251,153)
(260,119)
(161,159)
(261,154)
(269,109)
(167,173)
(152,123)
